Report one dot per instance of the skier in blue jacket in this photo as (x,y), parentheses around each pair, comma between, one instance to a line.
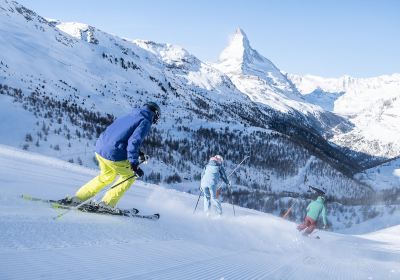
(212,174)
(118,152)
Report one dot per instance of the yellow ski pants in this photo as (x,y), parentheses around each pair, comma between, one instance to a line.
(108,171)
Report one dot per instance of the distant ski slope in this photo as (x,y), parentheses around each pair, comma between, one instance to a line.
(178,246)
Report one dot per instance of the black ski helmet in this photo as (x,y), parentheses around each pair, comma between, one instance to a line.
(155,109)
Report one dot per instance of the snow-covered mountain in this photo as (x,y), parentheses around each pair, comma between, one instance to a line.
(359,92)
(78,30)
(179,245)
(264,83)
(255,75)
(62,83)
(372,105)
(240,59)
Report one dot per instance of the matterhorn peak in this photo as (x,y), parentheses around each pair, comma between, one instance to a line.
(240,35)
(240,31)
(233,55)
(240,58)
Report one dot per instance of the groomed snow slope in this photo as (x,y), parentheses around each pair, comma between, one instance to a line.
(178,246)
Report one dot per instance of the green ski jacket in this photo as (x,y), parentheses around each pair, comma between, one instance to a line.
(316,208)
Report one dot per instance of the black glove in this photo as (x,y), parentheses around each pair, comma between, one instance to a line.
(142,156)
(138,171)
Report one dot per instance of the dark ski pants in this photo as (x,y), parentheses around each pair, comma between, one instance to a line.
(308,224)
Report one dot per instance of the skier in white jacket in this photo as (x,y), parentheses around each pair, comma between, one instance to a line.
(212,174)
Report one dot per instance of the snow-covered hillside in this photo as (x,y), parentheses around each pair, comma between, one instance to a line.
(61,84)
(180,245)
(371,104)
(72,85)
(385,176)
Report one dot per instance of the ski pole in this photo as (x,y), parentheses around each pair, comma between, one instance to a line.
(230,174)
(233,171)
(289,210)
(197,203)
(230,189)
(90,198)
(233,206)
(144,160)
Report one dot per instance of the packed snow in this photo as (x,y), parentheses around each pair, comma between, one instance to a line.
(180,245)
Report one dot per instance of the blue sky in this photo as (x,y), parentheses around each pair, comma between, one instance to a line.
(326,37)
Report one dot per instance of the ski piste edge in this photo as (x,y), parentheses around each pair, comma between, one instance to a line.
(124,212)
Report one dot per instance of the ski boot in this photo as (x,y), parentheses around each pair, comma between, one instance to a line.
(104,208)
(70,201)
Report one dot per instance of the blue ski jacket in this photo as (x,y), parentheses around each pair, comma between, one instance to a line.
(122,139)
(212,174)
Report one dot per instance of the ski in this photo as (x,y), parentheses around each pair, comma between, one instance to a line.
(31,198)
(90,208)
(149,217)
(312,236)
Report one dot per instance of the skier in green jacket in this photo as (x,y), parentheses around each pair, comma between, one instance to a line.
(314,210)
